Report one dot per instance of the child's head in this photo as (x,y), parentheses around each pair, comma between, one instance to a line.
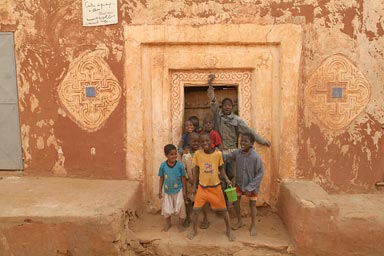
(193,141)
(195,121)
(227,106)
(170,152)
(208,123)
(188,126)
(205,141)
(246,142)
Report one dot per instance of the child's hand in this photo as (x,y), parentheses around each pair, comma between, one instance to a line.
(267,143)
(211,93)
(229,182)
(193,191)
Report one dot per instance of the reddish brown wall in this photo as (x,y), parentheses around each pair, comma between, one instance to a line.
(49,35)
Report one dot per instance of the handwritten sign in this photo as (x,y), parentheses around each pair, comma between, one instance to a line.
(99,12)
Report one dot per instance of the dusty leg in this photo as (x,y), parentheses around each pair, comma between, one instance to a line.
(205,223)
(167,224)
(180,227)
(239,223)
(229,232)
(188,209)
(195,215)
(252,206)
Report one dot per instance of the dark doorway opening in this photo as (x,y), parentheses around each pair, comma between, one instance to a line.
(198,104)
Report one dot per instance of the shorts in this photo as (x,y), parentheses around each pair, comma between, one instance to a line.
(173,204)
(252,196)
(212,195)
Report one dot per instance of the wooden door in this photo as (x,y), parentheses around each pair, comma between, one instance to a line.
(198,104)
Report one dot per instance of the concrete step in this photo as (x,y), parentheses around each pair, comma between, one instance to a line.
(148,239)
(81,217)
(63,216)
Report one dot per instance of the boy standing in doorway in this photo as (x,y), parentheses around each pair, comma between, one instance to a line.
(229,127)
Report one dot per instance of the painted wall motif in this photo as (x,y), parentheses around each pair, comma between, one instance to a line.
(89,92)
(337,92)
(49,37)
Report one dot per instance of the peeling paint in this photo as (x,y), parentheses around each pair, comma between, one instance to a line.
(61,112)
(344,149)
(25,144)
(34,103)
(307,203)
(40,143)
(58,168)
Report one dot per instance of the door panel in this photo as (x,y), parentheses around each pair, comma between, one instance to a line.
(10,141)
(197,102)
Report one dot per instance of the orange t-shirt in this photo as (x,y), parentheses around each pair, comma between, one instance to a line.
(208,167)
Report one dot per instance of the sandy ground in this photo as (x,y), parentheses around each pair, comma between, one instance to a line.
(272,238)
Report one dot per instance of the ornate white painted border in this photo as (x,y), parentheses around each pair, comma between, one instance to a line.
(242,78)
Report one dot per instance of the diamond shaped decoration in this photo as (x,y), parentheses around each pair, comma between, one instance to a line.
(89,112)
(337,75)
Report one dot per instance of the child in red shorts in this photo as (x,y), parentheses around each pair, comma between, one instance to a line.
(249,174)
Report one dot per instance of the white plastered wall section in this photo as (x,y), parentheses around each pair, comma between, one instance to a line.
(152,53)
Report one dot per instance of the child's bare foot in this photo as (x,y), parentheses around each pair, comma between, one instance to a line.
(186,223)
(231,236)
(237,225)
(180,227)
(167,226)
(192,234)
(204,224)
(253,231)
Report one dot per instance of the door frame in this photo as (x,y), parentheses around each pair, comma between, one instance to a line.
(152,52)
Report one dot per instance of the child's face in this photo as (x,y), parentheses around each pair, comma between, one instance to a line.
(194,143)
(189,127)
(172,156)
(205,142)
(208,125)
(245,144)
(227,108)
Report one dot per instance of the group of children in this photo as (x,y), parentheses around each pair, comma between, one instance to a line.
(190,187)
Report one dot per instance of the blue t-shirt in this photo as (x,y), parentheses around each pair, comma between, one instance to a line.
(172,177)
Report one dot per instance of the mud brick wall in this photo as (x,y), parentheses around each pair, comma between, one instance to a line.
(340,120)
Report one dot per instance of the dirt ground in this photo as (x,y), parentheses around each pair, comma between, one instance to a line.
(272,238)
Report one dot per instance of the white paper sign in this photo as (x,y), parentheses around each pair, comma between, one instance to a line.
(99,12)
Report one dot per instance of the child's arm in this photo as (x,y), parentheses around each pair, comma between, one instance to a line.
(161,182)
(184,182)
(195,175)
(254,184)
(224,175)
(244,128)
(180,147)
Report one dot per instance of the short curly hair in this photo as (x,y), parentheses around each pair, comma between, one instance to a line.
(250,136)
(168,148)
